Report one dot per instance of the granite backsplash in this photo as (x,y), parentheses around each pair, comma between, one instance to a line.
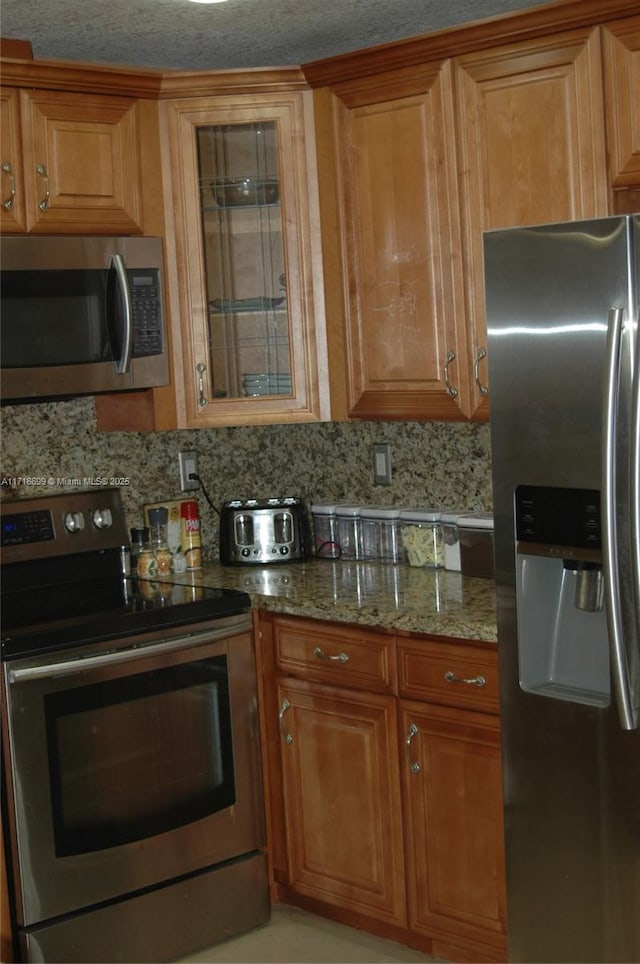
(55,445)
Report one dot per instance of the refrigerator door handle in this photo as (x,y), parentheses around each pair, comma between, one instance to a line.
(619,664)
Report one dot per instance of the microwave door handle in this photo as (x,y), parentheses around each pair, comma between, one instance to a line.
(634,489)
(118,265)
(611,571)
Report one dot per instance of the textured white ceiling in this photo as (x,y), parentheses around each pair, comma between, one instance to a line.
(238,33)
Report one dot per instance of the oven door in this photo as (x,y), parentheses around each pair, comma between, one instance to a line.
(131,767)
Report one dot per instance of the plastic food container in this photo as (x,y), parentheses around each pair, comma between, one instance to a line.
(325,529)
(422,538)
(349,527)
(451,536)
(476,545)
(381,533)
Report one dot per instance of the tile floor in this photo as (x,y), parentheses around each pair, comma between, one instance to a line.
(294,937)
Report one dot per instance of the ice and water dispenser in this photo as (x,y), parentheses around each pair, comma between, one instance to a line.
(562,627)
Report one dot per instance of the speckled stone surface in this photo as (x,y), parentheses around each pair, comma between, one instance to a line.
(434,463)
(393,597)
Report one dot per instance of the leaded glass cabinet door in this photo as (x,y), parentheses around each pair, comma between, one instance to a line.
(252,335)
(244,260)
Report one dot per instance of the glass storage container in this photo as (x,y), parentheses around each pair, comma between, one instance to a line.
(422,538)
(451,536)
(476,545)
(381,533)
(325,530)
(349,527)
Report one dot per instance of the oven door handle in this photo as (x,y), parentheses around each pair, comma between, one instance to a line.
(68,667)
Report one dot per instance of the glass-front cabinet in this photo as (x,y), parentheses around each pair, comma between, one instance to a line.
(251,340)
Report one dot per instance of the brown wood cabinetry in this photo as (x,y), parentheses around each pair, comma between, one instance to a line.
(531,147)
(384,788)
(74,163)
(397,214)
(406,207)
(249,342)
(342,799)
(452,782)
(334,789)
(621,55)
(12,202)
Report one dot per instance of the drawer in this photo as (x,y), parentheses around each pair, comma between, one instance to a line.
(330,653)
(453,674)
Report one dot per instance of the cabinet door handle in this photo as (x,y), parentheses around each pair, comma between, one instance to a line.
(41,171)
(7,204)
(480,354)
(340,657)
(283,709)
(201,369)
(414,766)
(472,681)
(448,358)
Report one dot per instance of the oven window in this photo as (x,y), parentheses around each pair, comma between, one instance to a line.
(139,755)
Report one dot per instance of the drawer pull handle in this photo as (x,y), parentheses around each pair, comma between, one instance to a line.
(451,389)
(340,658)
(480,354)
(7,204)
(41,171)
(474,681)
(414,766)
(283,709)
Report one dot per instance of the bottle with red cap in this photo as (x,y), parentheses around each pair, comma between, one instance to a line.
(191,537)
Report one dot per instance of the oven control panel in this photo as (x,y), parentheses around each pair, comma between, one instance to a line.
(23,527)
(57,525)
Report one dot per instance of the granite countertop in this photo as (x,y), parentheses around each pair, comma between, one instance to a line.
(394,597)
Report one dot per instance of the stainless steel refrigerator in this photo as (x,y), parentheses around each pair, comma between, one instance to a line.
(564,357)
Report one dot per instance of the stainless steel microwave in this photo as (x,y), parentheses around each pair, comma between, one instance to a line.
(80,316)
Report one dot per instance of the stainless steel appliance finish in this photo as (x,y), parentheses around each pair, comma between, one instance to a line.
(81,316)
(130,735)
(562,308)
(263,531)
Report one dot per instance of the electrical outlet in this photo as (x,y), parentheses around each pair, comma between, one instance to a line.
(382,467)
(188,462)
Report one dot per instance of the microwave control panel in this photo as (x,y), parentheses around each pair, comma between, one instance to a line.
(146,304)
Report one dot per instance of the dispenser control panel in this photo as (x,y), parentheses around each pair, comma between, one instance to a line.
(559,517)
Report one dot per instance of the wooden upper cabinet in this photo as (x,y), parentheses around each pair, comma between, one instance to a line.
(621,55)
(12,210)
(243,208)
(396,215)
(80,169)
(531,148)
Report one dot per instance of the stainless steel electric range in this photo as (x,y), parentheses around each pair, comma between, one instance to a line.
(132,793)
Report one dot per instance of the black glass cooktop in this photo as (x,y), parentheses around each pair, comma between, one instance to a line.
(49,618)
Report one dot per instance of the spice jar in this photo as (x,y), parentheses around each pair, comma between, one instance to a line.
(139,536)
(191,538)
(158,519)
(147,568)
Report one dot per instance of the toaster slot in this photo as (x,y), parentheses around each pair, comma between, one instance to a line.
(243,530)
(283,527)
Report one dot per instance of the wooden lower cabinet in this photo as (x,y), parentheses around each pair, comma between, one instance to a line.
(342,798)
(384,808)
(452,787)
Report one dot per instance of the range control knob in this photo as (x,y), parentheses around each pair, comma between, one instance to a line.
(74,522)
(102,518)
